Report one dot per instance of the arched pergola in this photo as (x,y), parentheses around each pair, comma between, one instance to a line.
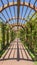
(9,15)
(18,4)
(15,13)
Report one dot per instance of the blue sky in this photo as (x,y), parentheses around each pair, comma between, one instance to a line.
(14,13)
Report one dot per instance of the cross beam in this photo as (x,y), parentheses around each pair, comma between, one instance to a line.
(15,4)
(18,10)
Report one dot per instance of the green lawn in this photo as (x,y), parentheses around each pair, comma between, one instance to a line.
(35,63)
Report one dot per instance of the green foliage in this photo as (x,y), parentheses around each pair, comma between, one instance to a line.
(29,36)
(7,35)
(12,35)
(3,36)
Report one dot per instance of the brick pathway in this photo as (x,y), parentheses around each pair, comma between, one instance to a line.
(16,54)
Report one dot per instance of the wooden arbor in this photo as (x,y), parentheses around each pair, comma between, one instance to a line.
(17,3)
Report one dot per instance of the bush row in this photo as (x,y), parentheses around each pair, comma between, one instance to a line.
(6,35)
(29,35)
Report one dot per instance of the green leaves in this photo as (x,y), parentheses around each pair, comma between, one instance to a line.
(8,35)
(29,36)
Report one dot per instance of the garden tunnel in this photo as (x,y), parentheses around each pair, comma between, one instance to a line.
(15,13)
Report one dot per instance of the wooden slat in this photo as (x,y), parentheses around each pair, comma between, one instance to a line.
(16,4)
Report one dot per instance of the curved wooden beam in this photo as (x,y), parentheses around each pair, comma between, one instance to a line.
(16,4)
(21,25)
(13,18)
